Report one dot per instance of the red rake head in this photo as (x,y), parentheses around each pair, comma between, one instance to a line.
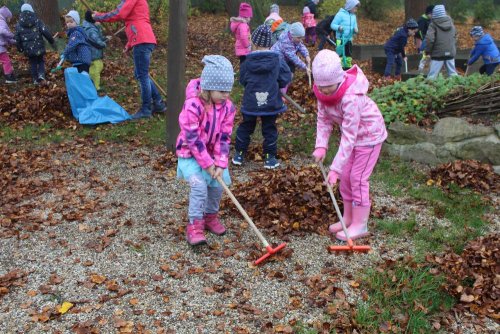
(270,251)
(350,247)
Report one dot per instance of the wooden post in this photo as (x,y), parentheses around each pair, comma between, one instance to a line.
(415,8)
(176,68)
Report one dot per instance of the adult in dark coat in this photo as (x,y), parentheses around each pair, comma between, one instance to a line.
(324,31)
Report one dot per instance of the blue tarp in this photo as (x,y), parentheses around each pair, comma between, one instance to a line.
(87,107)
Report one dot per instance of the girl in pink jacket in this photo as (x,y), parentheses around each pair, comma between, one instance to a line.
(206,123)
(309,22)
(342,100)
(241,31)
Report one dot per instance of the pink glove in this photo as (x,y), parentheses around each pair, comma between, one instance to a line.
(319,154)
(332,177)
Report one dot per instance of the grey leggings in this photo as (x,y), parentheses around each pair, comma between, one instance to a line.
(202,199)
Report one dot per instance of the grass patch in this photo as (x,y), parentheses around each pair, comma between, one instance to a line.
(462,207)
(402,299)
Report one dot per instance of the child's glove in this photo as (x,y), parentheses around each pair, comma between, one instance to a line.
(332,177)
(339,42)
(319,154)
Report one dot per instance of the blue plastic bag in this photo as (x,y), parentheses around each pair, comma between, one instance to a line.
(87,107)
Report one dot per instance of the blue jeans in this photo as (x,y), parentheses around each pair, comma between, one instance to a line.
(437,65)
(391,59)
(149,92)
(269,132)
(489,69)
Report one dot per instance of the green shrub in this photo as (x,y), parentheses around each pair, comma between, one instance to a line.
(329,7)
(211,6)
(484,12)
(458,11)
(377,9)
(417,98)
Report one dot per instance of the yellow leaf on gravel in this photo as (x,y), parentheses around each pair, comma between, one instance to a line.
(98,279)
(65,307)
(430,182)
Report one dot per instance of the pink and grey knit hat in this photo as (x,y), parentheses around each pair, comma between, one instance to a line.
(327,69)
(245,10)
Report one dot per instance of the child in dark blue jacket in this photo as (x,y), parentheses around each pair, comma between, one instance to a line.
(77,50)
(395,47)
(485,46)
(262,74)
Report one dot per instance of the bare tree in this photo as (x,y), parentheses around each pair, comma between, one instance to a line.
(48,11)
(415,8)
(176,67)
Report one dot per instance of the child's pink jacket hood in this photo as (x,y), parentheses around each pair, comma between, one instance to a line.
(361,122)
(205,130)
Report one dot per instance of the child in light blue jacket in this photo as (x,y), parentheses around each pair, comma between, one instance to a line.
(345,26)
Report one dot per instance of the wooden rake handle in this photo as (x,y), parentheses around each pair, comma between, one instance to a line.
(295,104)
(243,212)
(330,190)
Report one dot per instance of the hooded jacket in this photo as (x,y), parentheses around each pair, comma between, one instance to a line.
(323,27)
(289,49)
(30,32)
(6,36)
(262,74)
(441,39)
(241,32)
(77,50)
(347,21)
(485,47)
(397,43)
(135,13)
(360,120)
(423,24)
(312,7)
(95,39)
(205,129)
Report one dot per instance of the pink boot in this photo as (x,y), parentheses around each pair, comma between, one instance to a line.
(347,216)
(195,234)
(359,224)
(213,224)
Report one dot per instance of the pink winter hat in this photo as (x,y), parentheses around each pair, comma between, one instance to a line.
(245,10)
(326,68)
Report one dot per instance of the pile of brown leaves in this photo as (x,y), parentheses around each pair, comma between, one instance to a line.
(13,278)
(474,276)
(466,173)
(287,201)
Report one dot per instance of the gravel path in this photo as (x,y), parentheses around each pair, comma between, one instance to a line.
(127,268)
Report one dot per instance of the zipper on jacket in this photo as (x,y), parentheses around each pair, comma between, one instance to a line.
(213,126)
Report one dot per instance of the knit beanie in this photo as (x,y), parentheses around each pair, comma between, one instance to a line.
(306,10)
(350,4)
(327,69)
(217,74)
(262,36)
(274,9)
(429,9)
(27,8)
(245,10)
(297,30)
(88,17)
(438,11)
(411,24)
(74,15)
(477,31)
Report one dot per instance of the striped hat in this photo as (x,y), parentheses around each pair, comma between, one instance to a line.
(438,11)
(477,31)
(262,36)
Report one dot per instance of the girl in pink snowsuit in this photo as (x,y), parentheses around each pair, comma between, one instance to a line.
(202,148)
(342,99)
(241,31)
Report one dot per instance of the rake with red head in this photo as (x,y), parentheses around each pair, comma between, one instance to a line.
(350,244)
(270,250)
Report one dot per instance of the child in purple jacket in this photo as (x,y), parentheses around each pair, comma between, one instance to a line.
(241,31)
(206,123)
(343,100)
(6,39)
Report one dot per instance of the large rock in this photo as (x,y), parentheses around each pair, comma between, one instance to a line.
(452,129)
(485,149)
(497,129)
(403,134)
(421,152)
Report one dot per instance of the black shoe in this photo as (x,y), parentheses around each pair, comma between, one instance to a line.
(10,78)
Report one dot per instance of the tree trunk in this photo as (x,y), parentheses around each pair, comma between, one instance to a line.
(415,8)
(176,67)
(48,12)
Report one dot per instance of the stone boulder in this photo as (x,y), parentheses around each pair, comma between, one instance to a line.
(403,134)
(452,129)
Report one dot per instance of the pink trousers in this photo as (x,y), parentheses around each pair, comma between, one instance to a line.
(7,65)
(354,185)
